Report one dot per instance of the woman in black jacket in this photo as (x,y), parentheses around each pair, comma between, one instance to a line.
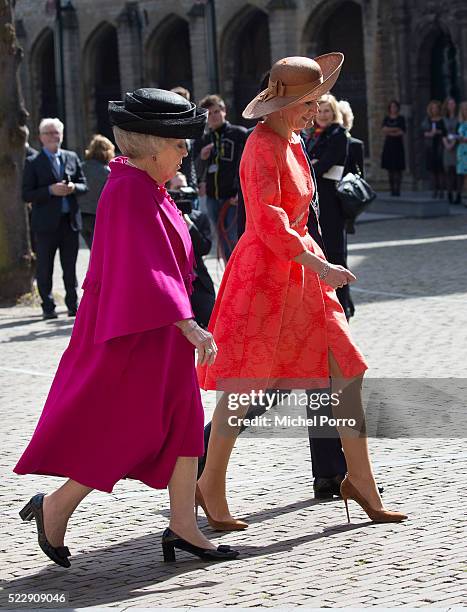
(327,150)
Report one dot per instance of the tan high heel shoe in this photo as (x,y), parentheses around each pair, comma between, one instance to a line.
(234,525)
(348,491)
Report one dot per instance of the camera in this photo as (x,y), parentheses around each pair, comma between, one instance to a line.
(184,198)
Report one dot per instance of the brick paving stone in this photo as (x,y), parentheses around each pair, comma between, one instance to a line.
(411,322)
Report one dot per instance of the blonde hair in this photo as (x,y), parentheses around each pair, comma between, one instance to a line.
(331,100)
(100,148)
(347,114)
(432,103)
(136,145)
(463,111)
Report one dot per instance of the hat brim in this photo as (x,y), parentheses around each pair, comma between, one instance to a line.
(330,64)
(177,127)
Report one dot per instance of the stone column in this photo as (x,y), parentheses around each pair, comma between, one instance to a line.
(75,138)
(23,68)
(130,47)
(460,41)
(400,19)
(199,52)
(283,31)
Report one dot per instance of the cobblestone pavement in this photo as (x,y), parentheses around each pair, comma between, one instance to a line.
(411,321)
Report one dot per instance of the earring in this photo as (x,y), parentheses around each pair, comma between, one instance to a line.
(154,158)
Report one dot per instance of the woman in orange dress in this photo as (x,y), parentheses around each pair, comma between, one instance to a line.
(277,320)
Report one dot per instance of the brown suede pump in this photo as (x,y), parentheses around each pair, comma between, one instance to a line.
(348,491)
(234,525)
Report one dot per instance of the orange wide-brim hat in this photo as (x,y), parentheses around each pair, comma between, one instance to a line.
(294,78)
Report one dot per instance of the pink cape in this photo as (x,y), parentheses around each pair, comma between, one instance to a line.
(125,400)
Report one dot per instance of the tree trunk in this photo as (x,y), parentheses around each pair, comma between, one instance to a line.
(16,270)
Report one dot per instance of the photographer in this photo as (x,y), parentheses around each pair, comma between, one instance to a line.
(203,296)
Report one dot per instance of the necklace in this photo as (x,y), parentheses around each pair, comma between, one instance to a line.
(132,165)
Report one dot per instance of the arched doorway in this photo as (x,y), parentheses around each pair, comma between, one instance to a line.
(338,26)
(169,55)
(444,77)
(44,90)
(436,76)
(102,77)
(246,56)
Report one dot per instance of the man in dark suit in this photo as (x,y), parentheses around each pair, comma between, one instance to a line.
(52,180)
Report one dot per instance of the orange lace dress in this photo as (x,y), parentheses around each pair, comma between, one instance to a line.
(274,320)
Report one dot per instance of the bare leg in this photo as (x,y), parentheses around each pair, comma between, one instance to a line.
(354,445)
(58,508)
(182,502)
(221,442)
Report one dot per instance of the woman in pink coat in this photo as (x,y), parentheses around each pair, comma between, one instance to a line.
(125,402)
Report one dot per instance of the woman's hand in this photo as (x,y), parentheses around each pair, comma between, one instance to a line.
(201,339)
(338,276)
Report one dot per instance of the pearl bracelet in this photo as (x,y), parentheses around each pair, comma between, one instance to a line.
(324,272)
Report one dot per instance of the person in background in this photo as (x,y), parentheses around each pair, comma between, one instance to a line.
(393,156)
(450,141)
(434,131)
(188,163)
(220,151)
(328,154)
(204,294)
(462,146)
(355,161)
(30,151)
(96,170)
(52,181)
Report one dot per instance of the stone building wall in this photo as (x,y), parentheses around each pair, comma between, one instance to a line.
(406,51)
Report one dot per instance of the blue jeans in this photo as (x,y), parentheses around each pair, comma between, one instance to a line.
(226,227)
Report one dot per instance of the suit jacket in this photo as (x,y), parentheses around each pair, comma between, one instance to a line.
(357,155)
(200,233)
(46,208)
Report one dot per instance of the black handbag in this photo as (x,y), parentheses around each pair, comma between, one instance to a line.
(355,194)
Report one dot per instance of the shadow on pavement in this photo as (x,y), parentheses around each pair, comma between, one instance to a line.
(117,573)
(21,322)
(55,328)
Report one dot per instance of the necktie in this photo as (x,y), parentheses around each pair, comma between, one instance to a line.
(57,165)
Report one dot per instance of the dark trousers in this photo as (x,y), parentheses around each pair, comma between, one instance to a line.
(87,231)
(202,302)
(66,241)
(327,457)
(343,293)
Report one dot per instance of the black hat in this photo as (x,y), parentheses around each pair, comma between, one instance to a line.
(158,112)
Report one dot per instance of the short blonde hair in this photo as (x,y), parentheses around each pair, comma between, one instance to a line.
(347,114)
(136,145)
(331,100)
(100,148)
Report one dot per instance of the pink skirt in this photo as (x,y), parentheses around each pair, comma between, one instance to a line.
(126,408)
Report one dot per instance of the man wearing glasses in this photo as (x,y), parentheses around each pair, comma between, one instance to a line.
(52,180)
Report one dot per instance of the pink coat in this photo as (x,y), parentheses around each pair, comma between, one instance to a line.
(125,400)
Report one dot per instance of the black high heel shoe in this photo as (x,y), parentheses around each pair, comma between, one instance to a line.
(171,541)
(33,509)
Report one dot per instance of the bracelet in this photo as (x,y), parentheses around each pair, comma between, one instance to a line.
(324,272)
(190,328)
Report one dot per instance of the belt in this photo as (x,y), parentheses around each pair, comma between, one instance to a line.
(297,220)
